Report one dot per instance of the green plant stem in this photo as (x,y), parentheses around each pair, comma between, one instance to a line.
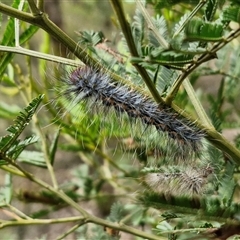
(30,222)
(129,216)
(34,9)
(18,212)
(126,29)
(62,236)
(197,105)
(12,170)
(177,84)
(27,97)
(124,228)
(16,23)
(92,219)
(46,153)
(40,5)
(43,22)
(35,54)
(205,121)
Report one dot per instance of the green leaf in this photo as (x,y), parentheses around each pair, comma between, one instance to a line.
(116,213)
(33,158)
(165,79)
(161,25)
(227,185)
(88,186)
(210,10)
(170,58)
(5,60)
(28,33)
(8,79)
(21,122)
(237,141)
(19,146)
(91,38)
(232,14)
(180,23)
(8,38)
(8,35)
(198,30)
(216,105)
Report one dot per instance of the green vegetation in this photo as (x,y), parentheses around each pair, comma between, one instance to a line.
(92,168)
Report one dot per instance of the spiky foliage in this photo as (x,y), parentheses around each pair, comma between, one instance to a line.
(10,145)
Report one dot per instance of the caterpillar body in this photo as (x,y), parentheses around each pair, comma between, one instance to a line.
(96,87)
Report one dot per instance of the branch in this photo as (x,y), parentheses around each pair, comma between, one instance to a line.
(20,222)
(117,6)
(34,9)
(41,20)
(86,217)
(44,56)
(46,24)
(62,236)
(201,59)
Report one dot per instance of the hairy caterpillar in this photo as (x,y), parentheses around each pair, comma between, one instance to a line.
(188,181)
(96,88)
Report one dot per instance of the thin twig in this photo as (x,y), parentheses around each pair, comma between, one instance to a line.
(20,222)
(40,5)
(18,212)
(197,105)
(34,9)
(35,54)
(62,236)
(45,151)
